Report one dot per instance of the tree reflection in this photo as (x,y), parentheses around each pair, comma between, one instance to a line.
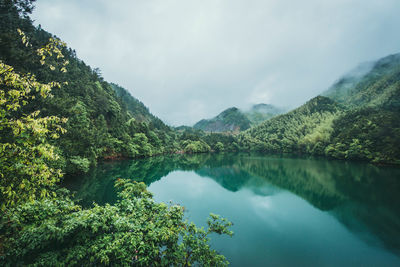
(362,197)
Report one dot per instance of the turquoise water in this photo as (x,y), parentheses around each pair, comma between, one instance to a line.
(286,211)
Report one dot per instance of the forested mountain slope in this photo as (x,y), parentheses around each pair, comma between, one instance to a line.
(137,109)
(104,120)
(236,120)
(370,129)
(357,118)
(380,86)
(305,128)
(261,112)
(230,120)
(40,224)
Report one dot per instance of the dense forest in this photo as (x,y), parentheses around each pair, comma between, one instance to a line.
(229,120)
(261,112)
(306,128)
(57,116)
(234,120)
(330,186)
(104,120)
(357,118)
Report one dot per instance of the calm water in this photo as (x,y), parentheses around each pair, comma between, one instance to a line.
(286,211)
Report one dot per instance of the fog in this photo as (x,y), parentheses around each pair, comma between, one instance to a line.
(188,60)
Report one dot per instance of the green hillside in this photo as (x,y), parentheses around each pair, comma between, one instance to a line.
(230,120)
(261,112)
(136,108)
(58,115)
(370,130)
(379,86)
(104,120)
(236,120)
(357,118)
(306,128)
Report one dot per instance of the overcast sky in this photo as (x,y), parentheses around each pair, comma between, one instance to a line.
(188,60)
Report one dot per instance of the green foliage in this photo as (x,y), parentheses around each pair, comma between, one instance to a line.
(230,120)
(367,128)
(235,120)
(195,146)
(379,86)
(219,147)
(370,129)
(105,121)
(24,150)
(103,118)
(228,141)
(137,109)
(79,163)
(305,129)
(135,231)
(142,145)
(39,224)
(262,112)
(370,134)
(200,142)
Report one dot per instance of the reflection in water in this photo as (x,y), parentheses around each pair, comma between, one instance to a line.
(362,197)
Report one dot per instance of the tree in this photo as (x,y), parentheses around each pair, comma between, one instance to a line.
(219,147)
(24,7)
(41,225)
(24,148)
(135,231)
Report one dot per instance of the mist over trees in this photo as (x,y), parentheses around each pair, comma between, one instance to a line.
(59,118)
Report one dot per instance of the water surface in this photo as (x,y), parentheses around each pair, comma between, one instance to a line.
(287,211)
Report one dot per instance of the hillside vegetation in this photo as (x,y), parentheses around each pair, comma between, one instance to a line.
(261,112)
(370,130)
(306,128)
(235,120)
(104,120)
(379,87)
(229,120)
(357,118)
(58,115)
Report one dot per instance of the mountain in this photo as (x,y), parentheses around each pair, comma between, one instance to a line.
(356,118)
(235,120)
(308,125)
(104,120)
(137,109)
(60,118)
(230,120)
(370,84)
(183,128)
(370,129)
(262,112)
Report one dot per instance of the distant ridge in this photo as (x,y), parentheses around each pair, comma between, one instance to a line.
(262,112)
(230,120)
(378,85)
(357,118)
(236,120)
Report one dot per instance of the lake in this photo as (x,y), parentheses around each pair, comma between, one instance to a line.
(287,211)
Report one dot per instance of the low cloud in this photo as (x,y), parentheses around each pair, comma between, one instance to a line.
(188,60)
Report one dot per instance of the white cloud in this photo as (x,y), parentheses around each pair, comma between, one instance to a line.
(221,53)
